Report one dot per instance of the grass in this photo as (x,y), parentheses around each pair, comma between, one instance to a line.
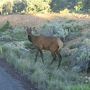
(5,27)
(19,53)
(79,87)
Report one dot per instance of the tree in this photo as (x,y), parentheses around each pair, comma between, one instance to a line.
(7,8)
(19,6)
(79,6)
(38,6)
(86,5)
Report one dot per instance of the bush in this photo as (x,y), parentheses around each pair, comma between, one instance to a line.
(1,8)
(82,54)
(18,33)
(53,29)
(68,30)
(79,87)
(7,8)
(73,28)
(79,6)
(38,6)
(6,26)
(65,11)
(46,76)
(19,6)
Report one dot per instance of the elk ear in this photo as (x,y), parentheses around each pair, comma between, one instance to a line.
(27,29)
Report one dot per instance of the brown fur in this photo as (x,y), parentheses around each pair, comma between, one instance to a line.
(51,44)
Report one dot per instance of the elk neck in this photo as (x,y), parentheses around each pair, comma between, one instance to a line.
(30,37)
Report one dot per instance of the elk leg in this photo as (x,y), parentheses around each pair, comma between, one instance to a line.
(36,55)
(54,58)
(60,59)
(41,53)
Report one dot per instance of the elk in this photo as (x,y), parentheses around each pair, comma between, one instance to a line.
(51,44)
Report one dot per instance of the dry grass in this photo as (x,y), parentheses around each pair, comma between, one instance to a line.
(39,19)
(22,20)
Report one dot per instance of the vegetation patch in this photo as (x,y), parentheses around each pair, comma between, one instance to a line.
(21,54)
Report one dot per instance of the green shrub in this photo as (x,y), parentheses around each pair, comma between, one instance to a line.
(79,6)
(54,29)
(83,52)
(18,33)
(7,8)
(73,26)
(47,77)
(19,6)
(79,87)
(38,6)
(6,26)
(68,30)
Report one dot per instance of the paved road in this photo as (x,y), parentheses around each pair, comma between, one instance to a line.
(7,82)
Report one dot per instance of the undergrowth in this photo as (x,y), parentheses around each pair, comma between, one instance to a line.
(21,54)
